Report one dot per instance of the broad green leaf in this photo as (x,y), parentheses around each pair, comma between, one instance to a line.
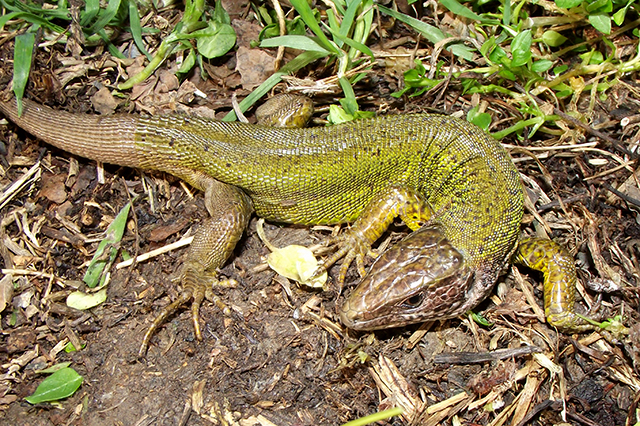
(599,6)
(521,48)
(338,115)
(61,384)
(618,17)
(480,119)
(593,57)
(220,15)
(553,38)
(601,22)
(568,4)
(188,62)
(83,301)
(560,69)
(215,40)
(94,274)
(541,65)
(22,53)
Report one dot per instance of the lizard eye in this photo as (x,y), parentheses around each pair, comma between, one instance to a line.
(412,301)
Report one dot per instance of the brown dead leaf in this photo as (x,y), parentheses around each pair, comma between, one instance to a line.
(246,32)
(168,81)
(6,291)
(20,340)
(53,188)
(103,102)
(254,66)
(161,233)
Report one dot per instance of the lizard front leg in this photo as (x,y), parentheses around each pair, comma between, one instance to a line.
(356,241)
(230,210)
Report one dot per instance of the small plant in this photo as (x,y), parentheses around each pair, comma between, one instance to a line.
(349,25)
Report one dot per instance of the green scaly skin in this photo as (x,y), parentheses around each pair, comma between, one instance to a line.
(431,170)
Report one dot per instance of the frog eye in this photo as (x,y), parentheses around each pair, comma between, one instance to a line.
(413,301)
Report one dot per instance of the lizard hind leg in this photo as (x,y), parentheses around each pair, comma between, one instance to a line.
(230,209)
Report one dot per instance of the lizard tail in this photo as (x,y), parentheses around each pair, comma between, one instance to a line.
(109,139)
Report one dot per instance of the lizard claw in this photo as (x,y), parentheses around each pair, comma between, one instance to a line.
(196,287)
(351,245)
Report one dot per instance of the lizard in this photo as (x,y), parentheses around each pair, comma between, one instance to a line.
(451,183)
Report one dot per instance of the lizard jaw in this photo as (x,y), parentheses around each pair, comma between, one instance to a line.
(421,278)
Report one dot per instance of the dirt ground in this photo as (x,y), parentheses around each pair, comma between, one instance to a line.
(282,357)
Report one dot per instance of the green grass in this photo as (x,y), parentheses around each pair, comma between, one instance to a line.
(514,49)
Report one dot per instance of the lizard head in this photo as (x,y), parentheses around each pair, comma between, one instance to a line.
(421,278)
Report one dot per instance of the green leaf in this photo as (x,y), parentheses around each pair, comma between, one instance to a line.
(91,10)
(541,65)
(115,231)
(601,22)
(593,57)
(560,69)
(338,115)
(480,119)
(568,4)
(215,40)
(61,384)
(305,12)
(105,17)
(599,6)
(479,319)
(460,10)
(188,62)
(136,29)
(83,301)
(295,42)
(54,368)
(521,48)
(349,103)
(375,417)
(352,43)
(553,38)
(22,53)
(433,34)
(618,17)
(220,15)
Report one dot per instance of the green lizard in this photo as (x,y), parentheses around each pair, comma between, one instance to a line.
(450,182)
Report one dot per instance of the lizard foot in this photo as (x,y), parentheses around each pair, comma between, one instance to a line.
(196,287)
(351,245)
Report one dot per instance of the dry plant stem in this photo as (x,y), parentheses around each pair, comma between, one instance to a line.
(283,31)
(157,252)
(625,197)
